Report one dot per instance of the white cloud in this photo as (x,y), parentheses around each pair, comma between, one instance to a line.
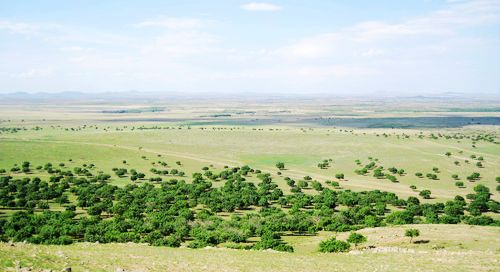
(260,6)
(177,23)
(312,47)
(20,28)
(27,28)
(43,72)
(179,44)
(30,73)
(440,23)
(370,38)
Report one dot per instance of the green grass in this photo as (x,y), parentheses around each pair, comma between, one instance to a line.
(449,248)
(301,152)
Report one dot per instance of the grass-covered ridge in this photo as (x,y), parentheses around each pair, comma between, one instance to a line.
(449,247)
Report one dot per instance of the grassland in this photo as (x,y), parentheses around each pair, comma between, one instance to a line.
(216,136)
(300,149)
(443,248)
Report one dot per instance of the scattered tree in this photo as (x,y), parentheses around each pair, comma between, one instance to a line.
(412,233)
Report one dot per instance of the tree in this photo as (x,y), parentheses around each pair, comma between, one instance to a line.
(378,173)
(334,245)
(280,165)
(426,194)
(454,208)
(392,178)
(26,167)
(272,240)
(356,238)
(400,218)
(412,233)
(448,154)
(431,176)
(317,186)
(339,176)
(303,184)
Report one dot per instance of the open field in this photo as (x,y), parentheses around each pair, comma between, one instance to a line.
(106,140)
(214,139)
(447,248)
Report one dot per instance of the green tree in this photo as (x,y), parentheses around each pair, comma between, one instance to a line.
(280,165)
(426,194)
(356,238)
(412,233)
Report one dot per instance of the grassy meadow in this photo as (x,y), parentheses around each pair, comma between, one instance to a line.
(443,248)
(189,138)
(301,149)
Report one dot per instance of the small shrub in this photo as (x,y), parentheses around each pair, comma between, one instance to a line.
(334,245)
(356,238)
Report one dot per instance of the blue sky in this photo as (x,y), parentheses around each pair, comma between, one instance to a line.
(409,47)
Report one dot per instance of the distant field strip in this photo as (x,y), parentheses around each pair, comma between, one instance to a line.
(293,173)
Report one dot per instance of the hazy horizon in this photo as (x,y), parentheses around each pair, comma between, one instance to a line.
(359,48)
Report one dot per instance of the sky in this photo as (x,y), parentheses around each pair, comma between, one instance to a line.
(344,47)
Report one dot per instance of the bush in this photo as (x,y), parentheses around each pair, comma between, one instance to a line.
(400,218)
(426,194)
(197,244)
(271,240)
(170,241)
(334,245)
(356,238)
(481,220)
